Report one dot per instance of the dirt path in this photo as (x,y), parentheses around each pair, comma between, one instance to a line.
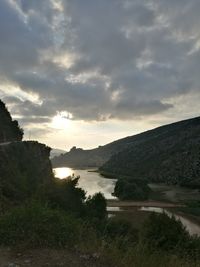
(117,203)
(46,257)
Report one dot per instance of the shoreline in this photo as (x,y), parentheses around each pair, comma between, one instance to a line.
(129,204)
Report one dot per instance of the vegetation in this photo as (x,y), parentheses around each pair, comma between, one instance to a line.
(37,225)
(40,211)
(192,208)
(24,170)
(169,154)
(64,194)
(162,241)
(9,130)
(131,189)
(96,206)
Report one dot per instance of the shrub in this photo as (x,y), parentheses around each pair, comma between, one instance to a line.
(121,229)
(64,194)
(164,233)
(131,189)
(96,206)
(38,225)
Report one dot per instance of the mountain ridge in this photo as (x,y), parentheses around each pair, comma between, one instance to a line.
(98,157)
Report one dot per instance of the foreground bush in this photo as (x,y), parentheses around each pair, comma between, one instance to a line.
(141,256)
(38,225)
(163,232)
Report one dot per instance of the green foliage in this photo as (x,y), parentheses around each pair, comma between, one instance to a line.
(37,225)
(169,154)
(121,229)
(96,206)
(162,232)
(24,168)
(141,256)
(131,189)
(10,130)
(192,207)
(65,194)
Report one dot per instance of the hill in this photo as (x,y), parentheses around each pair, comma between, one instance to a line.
(169,154)
(9,129)
(24,166)
(56,152)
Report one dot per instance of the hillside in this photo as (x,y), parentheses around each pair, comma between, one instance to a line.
(9,129)
(24,166)
(168,154)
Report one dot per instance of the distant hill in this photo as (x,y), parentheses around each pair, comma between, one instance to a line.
(80,158)
(56,152)
(169,153)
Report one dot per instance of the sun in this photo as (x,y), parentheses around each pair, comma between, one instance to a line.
(62,120)
(63,173)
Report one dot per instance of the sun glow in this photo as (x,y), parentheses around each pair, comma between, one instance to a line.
(62,121)
(63,173)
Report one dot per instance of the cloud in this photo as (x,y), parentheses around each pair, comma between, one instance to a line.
(98,60)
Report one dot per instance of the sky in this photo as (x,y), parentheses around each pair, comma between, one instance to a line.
(85,73)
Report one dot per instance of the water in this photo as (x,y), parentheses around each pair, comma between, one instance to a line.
(91,182)
(191,227)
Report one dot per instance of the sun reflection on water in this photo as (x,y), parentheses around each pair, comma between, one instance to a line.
(62,173)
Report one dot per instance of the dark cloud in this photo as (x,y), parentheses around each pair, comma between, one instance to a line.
(98,59)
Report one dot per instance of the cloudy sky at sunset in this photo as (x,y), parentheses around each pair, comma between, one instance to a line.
(86,72)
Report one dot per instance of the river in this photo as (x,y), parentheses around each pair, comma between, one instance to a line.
(92,182)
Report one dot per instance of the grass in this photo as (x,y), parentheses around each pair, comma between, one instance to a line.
(57,233)
(38,226)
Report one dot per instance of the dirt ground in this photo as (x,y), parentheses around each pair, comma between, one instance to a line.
(46,258)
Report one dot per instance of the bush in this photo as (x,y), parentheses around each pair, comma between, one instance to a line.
(121,229)
(64,194)
(96,206)
(38,226)
(131,189)
(165,233)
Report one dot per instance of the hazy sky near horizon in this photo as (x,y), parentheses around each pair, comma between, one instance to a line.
(85,73)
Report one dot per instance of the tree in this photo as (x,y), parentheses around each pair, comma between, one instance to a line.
(165,233)
(66,195)
(131,189)
(96,206)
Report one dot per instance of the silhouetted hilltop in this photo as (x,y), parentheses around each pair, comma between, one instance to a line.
(24,166)
(9,129)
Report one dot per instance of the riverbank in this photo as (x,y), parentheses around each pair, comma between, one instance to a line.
(138,211)
(120,204)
